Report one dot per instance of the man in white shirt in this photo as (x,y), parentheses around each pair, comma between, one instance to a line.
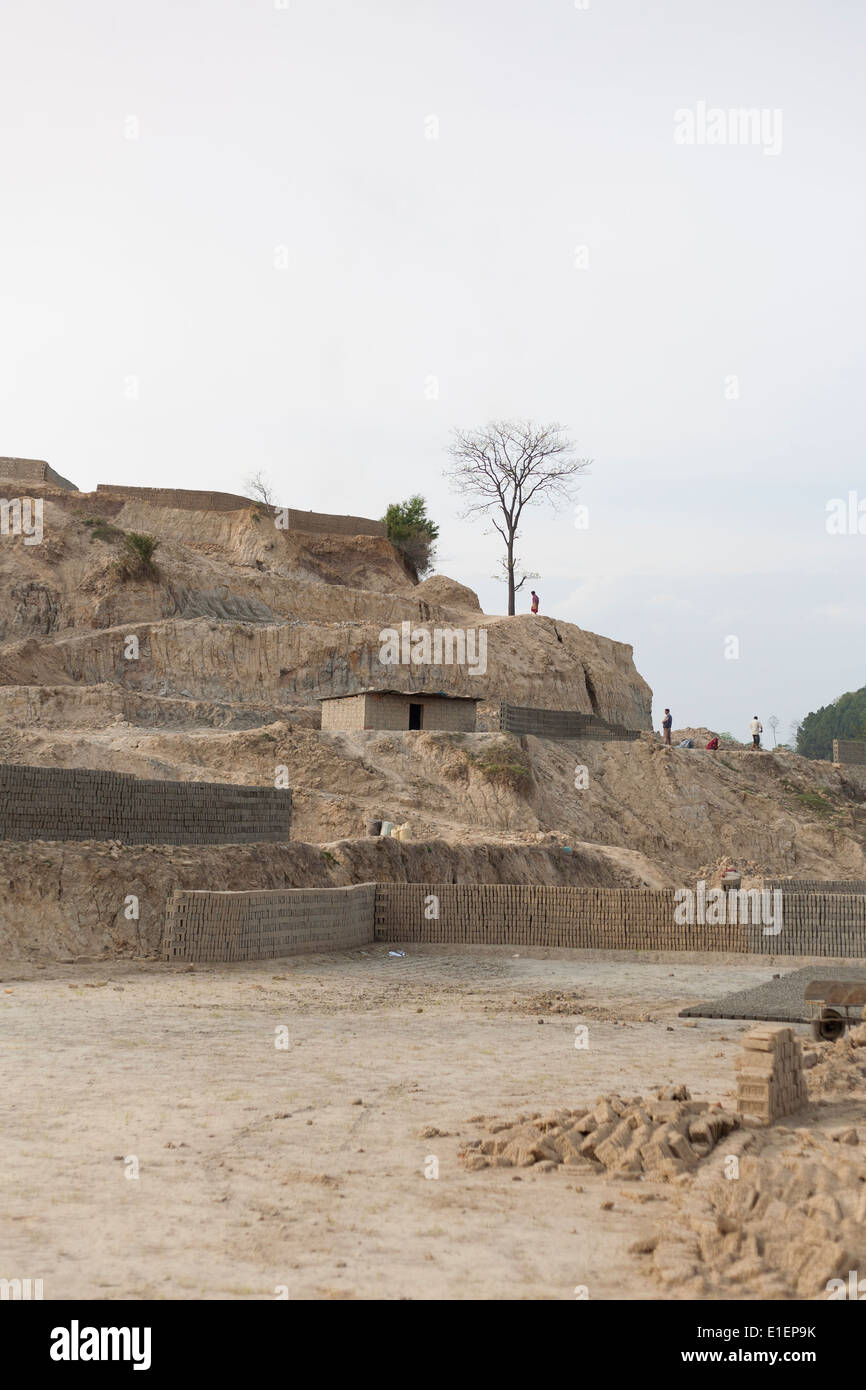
(757,729)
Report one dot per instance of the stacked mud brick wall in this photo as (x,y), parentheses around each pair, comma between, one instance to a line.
(770,1078)
(261,926)
(816,885)
(185,499)
(47,803)
(250,926)
(347,714)
(850,750)
(32,471)
(502,914)
(817,924)
(634,919)
(390,711)
(559,723)
(323,523)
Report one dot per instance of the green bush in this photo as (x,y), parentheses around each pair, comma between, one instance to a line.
(503,765)
(413,533)
(136,559)
(815,801)
(102,530)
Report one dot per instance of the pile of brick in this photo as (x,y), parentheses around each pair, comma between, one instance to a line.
(663,1136)
(849,750)
(770,1078)
(80,803)
(791,1223)
(33,471)
(207,926)
(618,919)
(840,1066)
(559,723)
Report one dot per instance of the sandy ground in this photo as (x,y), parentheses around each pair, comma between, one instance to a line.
(304,1168)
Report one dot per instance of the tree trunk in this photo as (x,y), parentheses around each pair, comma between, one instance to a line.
(509,560)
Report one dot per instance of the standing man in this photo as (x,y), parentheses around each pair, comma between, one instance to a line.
(534,608)
(667,724)
(757,729)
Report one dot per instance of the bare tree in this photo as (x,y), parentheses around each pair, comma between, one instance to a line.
(508,465)
(774,721)
(259,486)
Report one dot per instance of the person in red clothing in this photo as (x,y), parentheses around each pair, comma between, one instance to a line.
(713,743)
(534,608)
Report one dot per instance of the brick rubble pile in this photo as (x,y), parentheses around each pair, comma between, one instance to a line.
(662,1137)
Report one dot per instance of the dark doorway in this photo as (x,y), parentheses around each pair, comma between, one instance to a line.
(416,714)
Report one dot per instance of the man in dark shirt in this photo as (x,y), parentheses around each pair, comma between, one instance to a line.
(667,724)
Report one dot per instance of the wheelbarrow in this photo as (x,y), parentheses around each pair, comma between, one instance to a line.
(833,1006)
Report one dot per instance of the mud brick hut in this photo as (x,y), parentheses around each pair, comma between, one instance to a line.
(399,710)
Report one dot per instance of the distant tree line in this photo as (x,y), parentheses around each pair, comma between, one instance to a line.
(844,718)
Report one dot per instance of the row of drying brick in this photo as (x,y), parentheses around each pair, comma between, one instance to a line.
(507,914)
(537,915)
(259,926)
(850,750)
(41,803)
(32,471)
(230,926)
(815,885)
(597,918)
(190,499)
(555,723)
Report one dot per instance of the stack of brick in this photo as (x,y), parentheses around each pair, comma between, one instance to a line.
(815,885)
(222,926)
(558,723)
(770,1080)
(520,914)
(618,919)
(190,499)
(850,750)
(33,471)
(79,803)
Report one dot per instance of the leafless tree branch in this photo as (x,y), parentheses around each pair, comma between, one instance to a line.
(508,465)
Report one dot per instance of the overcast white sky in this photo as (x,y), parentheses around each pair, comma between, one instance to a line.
(274,270)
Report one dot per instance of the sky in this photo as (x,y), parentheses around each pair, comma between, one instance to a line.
(311,239)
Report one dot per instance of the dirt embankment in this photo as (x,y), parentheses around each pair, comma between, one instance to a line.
(71,900)
(681,812)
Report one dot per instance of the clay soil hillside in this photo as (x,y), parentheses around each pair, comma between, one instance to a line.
(239,610)
(244,626)
(666,813)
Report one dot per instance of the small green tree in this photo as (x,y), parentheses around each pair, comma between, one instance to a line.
(413,533)
(136,557)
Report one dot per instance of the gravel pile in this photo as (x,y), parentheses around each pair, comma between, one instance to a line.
(777,1001)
